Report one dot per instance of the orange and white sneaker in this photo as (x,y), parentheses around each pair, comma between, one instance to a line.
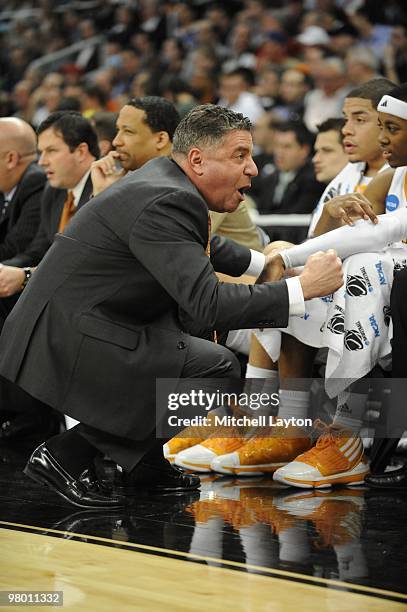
(199,457)
(337,458)
(263,453)
(190,436)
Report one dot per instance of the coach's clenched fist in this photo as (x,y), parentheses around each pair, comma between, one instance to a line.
(322,274)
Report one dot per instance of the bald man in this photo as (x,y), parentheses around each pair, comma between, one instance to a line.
(21,186)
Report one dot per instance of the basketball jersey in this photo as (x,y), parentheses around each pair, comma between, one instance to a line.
(349,180)
(397,196)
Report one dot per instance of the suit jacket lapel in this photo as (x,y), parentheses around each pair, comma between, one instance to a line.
(86,193)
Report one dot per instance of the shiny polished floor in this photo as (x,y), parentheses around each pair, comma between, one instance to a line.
(249,543)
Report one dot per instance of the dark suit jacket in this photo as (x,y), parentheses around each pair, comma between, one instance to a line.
(52,204)
(300,196)
(20,223)
(108,310)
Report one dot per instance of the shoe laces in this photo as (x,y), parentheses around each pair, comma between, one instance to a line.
(329,435)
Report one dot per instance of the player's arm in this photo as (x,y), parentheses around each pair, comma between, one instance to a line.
(345,209)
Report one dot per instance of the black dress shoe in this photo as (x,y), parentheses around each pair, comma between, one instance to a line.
(396,479)
(158,477)
(84,491)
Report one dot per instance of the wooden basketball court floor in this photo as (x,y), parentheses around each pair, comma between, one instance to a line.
(247,545)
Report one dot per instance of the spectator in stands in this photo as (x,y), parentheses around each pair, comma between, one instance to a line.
(327,99)
(240,51)
(130,65)
(314,42)
(329,155)
(294,86)
(94,99)
(395,55)
(268,86)
(235,94)
(178,91)
(104,124)
(343,37)
(21,100)
(68,146)
(263,138)
(88,57)
(292,187)
(376,36)
(361,65)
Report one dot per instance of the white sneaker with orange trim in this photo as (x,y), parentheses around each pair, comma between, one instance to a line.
(263,453)
(337,458)
(190,436)
(199,457)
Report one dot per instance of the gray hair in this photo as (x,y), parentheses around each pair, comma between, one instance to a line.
(363,55)
(206,126)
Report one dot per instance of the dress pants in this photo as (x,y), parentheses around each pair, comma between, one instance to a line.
(204,359)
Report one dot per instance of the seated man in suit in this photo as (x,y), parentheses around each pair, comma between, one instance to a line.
(68,146)
(125,296)
(21,185)
(292,187)
(145,129)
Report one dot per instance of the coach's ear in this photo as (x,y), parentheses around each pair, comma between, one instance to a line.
(195,160)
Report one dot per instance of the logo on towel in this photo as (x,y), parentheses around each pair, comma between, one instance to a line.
(374,325)
(353,340)
(380,273)
(356,286)
(387,315)
(337,324)
(392,202)
(367,280)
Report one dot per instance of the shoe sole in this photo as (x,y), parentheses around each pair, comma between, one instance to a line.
(258,470)
(351,479)
(43,481)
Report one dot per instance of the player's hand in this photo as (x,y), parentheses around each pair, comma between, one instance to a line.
(350,207)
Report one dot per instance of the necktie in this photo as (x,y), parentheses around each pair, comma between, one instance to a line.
(208,252)
(68,211)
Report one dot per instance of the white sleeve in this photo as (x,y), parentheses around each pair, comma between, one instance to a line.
(257,263)
(295,297)
(362,237)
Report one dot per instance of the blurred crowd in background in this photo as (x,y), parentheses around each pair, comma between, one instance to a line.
(286,64)
(295,58)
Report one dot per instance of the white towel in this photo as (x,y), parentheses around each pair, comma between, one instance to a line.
(354,323)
